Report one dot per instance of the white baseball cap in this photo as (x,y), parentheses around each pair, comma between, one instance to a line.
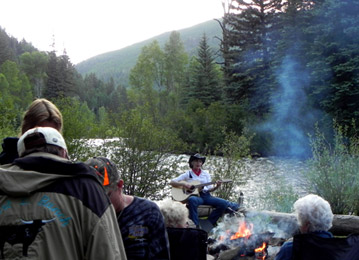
(48,135)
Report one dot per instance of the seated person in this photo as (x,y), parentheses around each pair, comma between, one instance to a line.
(196,173)
(175,213)
(54,208)
(185,242)
(140,220)
(314,216)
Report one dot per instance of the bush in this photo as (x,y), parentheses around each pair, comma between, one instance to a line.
(333,170)
(142,155)
(79,124)
(280,199)
(230,166)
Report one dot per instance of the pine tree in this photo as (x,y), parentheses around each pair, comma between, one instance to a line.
(249,44)
(53,77)
(334,61)
(67,72)
(60,77)
(205,83)
(6,53)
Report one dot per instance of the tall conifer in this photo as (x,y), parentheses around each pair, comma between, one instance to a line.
(205,84)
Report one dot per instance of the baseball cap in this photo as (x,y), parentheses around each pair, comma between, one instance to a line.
(106,170)
(38,137)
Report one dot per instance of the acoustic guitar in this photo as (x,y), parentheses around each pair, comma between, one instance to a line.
(181,194)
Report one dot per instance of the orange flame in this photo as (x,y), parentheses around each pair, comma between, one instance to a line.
(260,250)
(243,231)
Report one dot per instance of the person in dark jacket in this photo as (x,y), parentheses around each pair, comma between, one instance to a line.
(314,216)
(53,208)
(9,150)
(140,220)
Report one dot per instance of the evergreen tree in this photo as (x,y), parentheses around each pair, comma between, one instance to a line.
(6,53)
(334,59)
(60,77)
(119,102)
(249,45)
(95,92)
(11,48)
(53,77)
(67,72)
(205,83)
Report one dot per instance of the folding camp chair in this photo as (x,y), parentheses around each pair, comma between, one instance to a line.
(187,243)
(313,247)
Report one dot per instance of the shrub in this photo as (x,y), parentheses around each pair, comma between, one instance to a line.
(333,170)
(280,199)
(230,166)
(142,155)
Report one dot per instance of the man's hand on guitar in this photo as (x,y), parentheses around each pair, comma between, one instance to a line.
(218,184)
(188,186)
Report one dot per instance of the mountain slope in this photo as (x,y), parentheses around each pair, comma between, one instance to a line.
(117,64)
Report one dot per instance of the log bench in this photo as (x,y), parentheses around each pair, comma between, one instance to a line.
(343,225)
(204,210)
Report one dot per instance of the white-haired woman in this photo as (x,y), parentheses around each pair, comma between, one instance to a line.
(315,216)
(185,242)
(175,213)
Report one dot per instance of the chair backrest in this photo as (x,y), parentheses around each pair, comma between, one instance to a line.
(313,247)
(187,243)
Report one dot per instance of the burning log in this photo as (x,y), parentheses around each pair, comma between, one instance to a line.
(254,246)
(260,234)
(240,244)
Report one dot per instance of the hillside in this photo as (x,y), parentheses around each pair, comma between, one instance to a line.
(117,64)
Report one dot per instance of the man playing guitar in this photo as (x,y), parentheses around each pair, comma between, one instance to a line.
(205,198)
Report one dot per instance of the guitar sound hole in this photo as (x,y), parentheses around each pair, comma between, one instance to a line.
(189,191)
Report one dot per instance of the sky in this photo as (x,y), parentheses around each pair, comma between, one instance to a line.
(86,28)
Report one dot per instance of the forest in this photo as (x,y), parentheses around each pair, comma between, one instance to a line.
(287,68)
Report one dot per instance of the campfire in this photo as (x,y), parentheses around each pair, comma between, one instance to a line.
(241,244)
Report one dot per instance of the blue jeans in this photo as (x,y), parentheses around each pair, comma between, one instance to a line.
(206,198)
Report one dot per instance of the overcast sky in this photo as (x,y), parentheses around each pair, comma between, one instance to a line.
(86,28)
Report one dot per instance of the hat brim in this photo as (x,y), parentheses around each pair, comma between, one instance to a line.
(192,158)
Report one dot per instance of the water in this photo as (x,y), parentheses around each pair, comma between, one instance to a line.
(271,174)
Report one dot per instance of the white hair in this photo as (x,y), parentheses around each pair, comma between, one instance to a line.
(175,213)
(315,212)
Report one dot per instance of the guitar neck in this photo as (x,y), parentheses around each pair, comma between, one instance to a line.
(204,184)
(209,183)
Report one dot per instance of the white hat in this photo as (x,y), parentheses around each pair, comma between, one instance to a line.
(50,136)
